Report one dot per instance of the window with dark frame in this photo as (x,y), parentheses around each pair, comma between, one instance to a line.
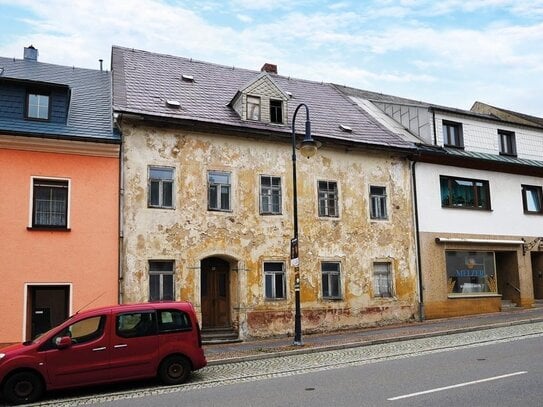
(270,195)
(452,134)
(378,202)
(276,111)
(161,282)
(464,193)
(50,203)
(382,279)
(507,143)
(274,280)
(161,187)
(331,280)
(532,199)
(37,106)
(328,199)
(253,108)
(219,191)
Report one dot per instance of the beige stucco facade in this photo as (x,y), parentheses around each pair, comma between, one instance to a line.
(246,239)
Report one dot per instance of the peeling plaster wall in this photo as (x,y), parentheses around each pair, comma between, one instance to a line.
(243,237)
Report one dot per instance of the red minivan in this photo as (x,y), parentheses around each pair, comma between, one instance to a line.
(116,343)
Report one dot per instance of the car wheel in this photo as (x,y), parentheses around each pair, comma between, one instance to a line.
(174,370)
(23,387)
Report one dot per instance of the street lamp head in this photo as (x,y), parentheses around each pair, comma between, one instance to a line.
(308,147)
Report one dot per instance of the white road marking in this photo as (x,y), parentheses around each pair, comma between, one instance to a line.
(405,396)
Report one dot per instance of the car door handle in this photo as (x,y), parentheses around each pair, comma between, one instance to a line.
(99,349)
(124,345)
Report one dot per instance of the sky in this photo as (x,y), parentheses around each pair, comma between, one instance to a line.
(447,52)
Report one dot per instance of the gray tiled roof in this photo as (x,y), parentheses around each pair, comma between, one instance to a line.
(90,114)
(143,81)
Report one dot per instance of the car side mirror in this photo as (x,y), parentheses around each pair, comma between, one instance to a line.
(63,342)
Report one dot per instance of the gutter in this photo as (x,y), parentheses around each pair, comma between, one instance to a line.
(417,241)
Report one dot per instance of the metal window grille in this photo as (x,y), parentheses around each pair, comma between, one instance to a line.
(382,279)
(50,203)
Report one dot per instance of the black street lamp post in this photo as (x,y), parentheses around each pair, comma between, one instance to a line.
(308,148)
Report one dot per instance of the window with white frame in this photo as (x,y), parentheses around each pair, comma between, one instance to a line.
(37,106)
(270,195)
(274,280)
(219,189)
(382,279)
(452,134)
(507,143)
(378,202)
(161,284)
(253,108)
(161,187)
(50,203)
(328,199)
(331,279)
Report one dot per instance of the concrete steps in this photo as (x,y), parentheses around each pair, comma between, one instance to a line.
(219,335)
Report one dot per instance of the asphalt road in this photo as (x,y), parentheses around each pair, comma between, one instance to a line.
(497,374)
(494,367)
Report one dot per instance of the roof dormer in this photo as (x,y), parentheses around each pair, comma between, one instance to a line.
(261,100)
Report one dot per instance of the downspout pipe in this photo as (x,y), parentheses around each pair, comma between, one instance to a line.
(434,124)
(417,240)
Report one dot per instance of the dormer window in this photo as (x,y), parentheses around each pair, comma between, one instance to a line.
(37,106)
(276,111)
(253,108)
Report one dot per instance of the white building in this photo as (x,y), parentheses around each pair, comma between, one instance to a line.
(478,182)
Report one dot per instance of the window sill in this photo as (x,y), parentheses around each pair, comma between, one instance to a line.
(472,295)
(467,207)
(170,208)
(275,299)
(47,229)
(333,299)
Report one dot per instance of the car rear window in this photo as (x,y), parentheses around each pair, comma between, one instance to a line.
(173,321)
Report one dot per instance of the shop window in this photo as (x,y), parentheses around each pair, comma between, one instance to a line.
(470,272)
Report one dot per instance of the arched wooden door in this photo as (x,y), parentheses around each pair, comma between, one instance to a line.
(215,293)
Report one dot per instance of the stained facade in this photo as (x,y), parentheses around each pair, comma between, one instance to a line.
(207,209)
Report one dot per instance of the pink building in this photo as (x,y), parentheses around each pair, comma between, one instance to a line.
(59,182)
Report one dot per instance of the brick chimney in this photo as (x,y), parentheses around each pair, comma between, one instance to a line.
(270,68)
(30,53)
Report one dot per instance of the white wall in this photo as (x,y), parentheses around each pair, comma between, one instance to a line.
(482,136)
(506,217)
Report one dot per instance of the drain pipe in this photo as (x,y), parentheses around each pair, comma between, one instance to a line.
(417,240)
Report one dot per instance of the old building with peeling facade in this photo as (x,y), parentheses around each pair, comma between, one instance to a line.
(207,201)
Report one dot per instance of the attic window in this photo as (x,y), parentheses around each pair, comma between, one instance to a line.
(253,108)
(276,111)
(37,106)
(187,78)
(345,128)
